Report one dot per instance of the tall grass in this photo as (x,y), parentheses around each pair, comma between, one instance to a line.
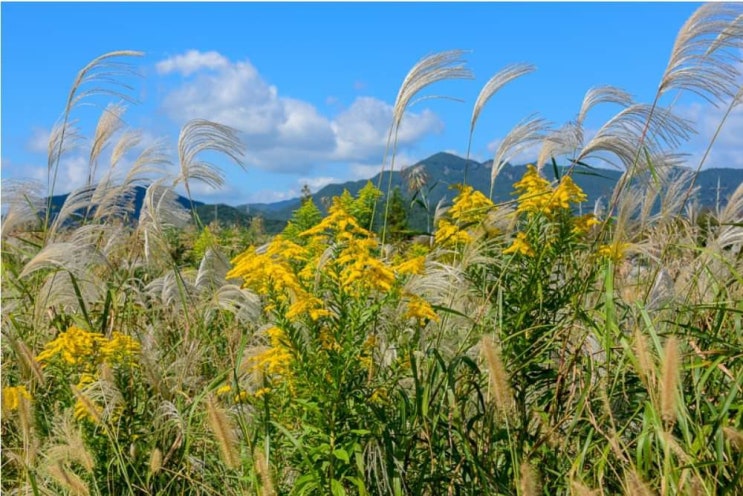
(527,350)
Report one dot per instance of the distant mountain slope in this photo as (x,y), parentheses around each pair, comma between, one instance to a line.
(445,169)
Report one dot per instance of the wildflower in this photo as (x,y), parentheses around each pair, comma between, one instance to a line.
(448,234)
(119,348)
(327,341)
(222,390)
(13,396)
(413,266)
(420,309)
(260,393)
(73,346)
(311,305)
(584,223)
(276,358)
(614,251)
(567,192)
(520,245)
(362,271)
(470,206)
(535,192)
(84,408)
(241,397)
(538,195)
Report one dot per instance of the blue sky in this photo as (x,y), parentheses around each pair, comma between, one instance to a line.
(311,85)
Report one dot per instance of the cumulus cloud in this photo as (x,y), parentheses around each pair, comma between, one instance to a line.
(39,141)
(283,134)
(192,61)
(727,150)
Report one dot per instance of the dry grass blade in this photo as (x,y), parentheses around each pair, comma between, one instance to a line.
(264,473)
(635,486)
(704,58)
(498,81)
(620,135)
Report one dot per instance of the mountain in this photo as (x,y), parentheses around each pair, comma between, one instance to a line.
(445,170)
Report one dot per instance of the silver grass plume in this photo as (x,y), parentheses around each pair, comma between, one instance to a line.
(494,84)
(520,138)
(103,75)
(429,70)
(498,81)
(704,56)
(600,95)
(198,136)
(109,123)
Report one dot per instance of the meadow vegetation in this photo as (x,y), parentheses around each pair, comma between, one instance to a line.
(521,349)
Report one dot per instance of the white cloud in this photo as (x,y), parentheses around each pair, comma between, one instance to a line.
(317,183)
(283,134)
(192,61)
(39,141)
(727,149)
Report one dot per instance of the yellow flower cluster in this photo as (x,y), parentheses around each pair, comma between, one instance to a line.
(240,397)
(269,271)
(520,245)
(78,346)
(361,271)
(84,408)
(277,358)
(470,207)
(420,310)
(13,396)
(584,223)
(73,346)
(614,251)
(538,195)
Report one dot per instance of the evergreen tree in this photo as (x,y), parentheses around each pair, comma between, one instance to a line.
(397,217)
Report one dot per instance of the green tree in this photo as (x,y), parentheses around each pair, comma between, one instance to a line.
(397,217)
(305,217)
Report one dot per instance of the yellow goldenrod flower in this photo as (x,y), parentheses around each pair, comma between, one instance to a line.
(327,341)
(448,234)
(85,408)
(12,397)
(520,245)
(538,195)
(260,393)
(275,360)
(120,348)
(584,223)
(420,309)
(614,251)
(73,346)
(535,190)
(222,390)
(470,206)
(307,304)
(413,266)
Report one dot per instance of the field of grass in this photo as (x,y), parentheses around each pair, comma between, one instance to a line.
(521,349)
